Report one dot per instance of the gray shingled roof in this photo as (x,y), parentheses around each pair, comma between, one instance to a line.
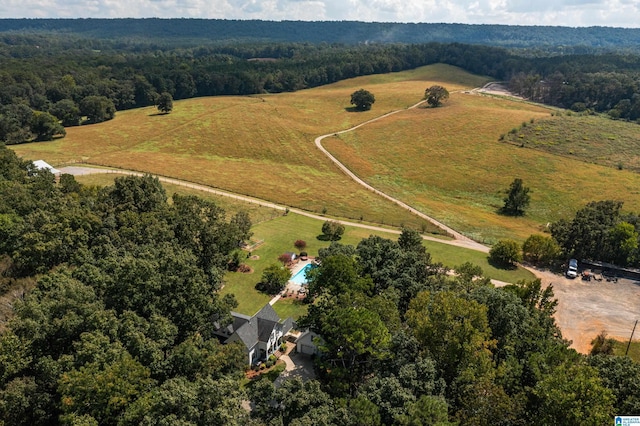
(258,328)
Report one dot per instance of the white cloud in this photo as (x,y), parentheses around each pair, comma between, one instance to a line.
(625,13)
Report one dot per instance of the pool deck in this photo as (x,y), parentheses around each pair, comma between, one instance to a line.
(292,287)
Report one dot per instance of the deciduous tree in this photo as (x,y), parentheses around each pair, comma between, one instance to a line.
(540,250)
(517,199)
(332,230)
(362,99)
(274,278)
(505,253)
(435,95)
(165,103)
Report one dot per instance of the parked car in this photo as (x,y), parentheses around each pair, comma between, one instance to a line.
(572,270)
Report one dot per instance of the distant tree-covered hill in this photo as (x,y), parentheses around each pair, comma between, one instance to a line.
(347,32)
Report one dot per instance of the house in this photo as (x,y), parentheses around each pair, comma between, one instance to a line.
(306,343)
(261,334)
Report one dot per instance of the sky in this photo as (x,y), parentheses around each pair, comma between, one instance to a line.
(572,13)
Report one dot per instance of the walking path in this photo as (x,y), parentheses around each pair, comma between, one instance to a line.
(455,234)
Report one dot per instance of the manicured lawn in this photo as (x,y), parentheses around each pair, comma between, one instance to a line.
(453,256)
(290,308)
(279,235)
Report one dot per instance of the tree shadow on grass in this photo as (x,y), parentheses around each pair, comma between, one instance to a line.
(503,266)
(155,114)
(353,109)
(323,237)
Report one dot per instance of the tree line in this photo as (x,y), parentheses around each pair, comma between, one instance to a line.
(70,81)
(561,40)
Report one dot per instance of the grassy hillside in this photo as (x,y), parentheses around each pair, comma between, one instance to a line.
(590,138)
(449,163)
(258,145)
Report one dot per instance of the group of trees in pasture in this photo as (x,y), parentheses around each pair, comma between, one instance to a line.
(599,231)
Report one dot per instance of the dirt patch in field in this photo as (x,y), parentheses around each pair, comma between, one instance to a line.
(245,269)
(585,308)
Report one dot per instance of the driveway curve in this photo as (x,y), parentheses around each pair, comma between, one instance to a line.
(468,242)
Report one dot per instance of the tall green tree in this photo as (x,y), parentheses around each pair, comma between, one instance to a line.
(505,253)
(362,99)
(45,126)
(453,331)
(332,230)
(573,394)
(435,95)
(165,103)
(97,108)
(540,250)
(274,279)
(517,199)
(67,111)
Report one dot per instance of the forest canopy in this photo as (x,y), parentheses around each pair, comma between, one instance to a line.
(114,291)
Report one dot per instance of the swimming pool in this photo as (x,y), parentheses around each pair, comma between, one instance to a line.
(300,277)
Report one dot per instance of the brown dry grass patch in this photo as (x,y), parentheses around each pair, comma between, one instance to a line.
(448,162)
(255,145)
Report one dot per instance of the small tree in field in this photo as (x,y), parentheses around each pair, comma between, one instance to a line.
(435,95)
(332,230)
(505,253)
(517,199)
(300,245)
(165,103)
(362,99)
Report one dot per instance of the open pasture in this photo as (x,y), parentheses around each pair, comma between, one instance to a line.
(258,145)
(590,138)
(448,162)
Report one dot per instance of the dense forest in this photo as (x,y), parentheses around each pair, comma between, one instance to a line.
(203,31)
(56,79)
(112,295)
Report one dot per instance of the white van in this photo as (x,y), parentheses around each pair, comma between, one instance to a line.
(572,271)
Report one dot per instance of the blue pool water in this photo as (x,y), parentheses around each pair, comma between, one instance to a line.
(300,276)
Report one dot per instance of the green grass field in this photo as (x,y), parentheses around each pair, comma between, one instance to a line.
(447,162)
(619,348)
(589,138)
